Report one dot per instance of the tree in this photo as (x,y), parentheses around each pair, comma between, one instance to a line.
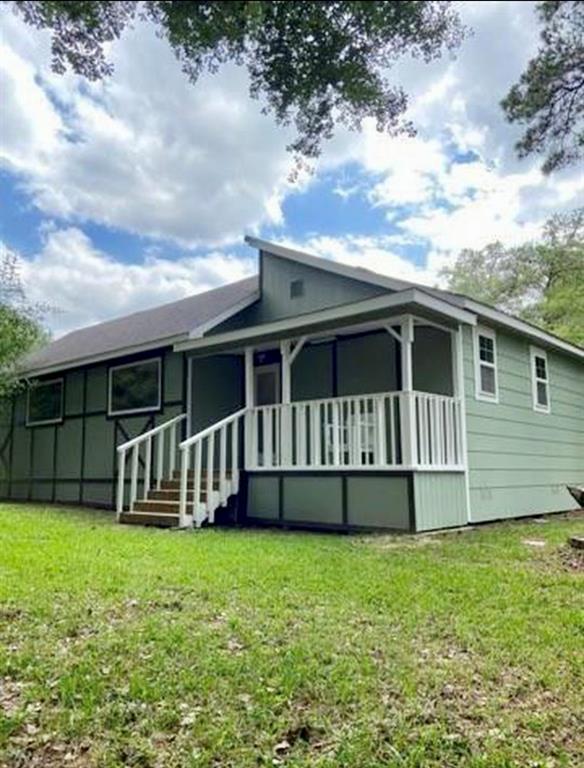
(20,326)
(541,282)
(549,97)
(313,64)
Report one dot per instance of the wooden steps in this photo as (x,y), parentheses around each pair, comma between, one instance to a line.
(158,519)
(161,507)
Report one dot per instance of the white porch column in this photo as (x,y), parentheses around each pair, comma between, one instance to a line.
(249,404)
(457,344)
(286,372)
(286,413)
(407,409)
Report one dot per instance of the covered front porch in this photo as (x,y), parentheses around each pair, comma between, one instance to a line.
(301,412)
(380,421)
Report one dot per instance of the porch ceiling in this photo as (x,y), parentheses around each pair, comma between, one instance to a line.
(348,318)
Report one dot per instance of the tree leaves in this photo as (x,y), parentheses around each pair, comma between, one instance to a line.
(540,282)
(20,328)
(313,65)
(549,97)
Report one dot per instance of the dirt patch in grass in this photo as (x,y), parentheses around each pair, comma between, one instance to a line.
(571,559)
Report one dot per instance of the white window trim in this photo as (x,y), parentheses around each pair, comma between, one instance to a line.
(481,330)
(533,353)
(45,383)
(128,411)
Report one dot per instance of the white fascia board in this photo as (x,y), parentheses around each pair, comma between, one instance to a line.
(169,341)
(204,328)
(318,262)
(520,326)
(287,326)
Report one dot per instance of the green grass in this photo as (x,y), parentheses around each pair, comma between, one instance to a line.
(133,647)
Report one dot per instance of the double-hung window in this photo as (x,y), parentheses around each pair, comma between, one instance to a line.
(540,380)
(135,387)
(486,365)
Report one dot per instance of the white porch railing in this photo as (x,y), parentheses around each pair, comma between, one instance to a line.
(160,443)
(357,432)
(438,431)
(210,464)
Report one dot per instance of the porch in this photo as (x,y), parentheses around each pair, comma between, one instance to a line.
(245,420)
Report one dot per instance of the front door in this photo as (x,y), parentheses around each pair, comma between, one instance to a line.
(267,384)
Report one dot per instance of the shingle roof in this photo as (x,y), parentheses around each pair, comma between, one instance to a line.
(179,318)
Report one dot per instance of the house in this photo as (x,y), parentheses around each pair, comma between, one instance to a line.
(314,394)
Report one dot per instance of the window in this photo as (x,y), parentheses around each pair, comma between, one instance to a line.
(486,365)
(540,383)
(296,289)
(134,387)
(45,402)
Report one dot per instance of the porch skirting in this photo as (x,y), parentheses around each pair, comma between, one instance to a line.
(350,500)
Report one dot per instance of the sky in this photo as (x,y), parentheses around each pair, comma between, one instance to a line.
(138,190)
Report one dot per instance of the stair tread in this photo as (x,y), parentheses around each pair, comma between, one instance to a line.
(144,512)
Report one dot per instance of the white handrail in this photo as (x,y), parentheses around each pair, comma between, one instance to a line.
(212,490)
(134,445)
(150,433)
(213,428)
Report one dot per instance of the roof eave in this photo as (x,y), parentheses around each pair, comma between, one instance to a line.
(204,328)
(524,328)
(102,357)
(288,327)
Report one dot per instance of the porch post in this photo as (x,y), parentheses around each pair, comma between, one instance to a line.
(286,413)
(407,410)
(249,404)
(457,344)
(286,372)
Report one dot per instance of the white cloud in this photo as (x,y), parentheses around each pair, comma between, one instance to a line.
(457,183)
(86,285)
(144,150)
(147,153)
(376,253)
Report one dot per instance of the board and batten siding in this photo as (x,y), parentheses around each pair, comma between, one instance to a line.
(520,460)
(74,461)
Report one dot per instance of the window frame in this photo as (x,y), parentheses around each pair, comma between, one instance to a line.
(133,364)
(43,383)
(534,353)
(297,288)
(480,394)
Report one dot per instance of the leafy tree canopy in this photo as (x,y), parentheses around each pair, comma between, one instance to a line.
(541,282)
(549,97)
(20,323)
(313,64)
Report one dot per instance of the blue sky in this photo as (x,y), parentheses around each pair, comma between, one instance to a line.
(139,189)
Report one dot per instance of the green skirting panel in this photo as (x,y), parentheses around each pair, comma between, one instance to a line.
(379,502)
(313,499)
(440,500)
(347,500)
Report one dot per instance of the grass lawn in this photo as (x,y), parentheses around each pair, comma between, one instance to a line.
(133,647)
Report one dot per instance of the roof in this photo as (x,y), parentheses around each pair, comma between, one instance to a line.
(191,318)
(485,311)
(160,325)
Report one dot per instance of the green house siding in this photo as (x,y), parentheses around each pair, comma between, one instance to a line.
(217,389)
(520,460)
(320,290)
(440,500)
(75,461)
